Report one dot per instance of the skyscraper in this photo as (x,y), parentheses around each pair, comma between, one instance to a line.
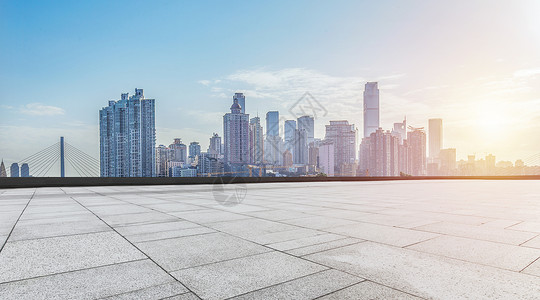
(400,130)
(379,154)
(343,136)
(14,170)
(214,148)
(308,124)
(326,158)
(371,108)
(128,137)
(272,123)
(3,172)
(300,147)
(290,127)
(417,151)
(448,161)
(162,158)
(273,148)
(256,141)
(25,170)
(194,150)
(179,151)
(236,135)
(435,138)
(241,101)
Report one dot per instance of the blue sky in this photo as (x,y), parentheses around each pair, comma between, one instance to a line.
(476,64)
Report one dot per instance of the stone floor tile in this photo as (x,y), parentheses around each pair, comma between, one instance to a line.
(428,276)
(89,283)
(190,251)
(31,258)
(238,276)
(368,290)
(499,235)
(383,234)
(307,287)
(306,241)
(498,255)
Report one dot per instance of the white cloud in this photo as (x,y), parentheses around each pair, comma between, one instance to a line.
(38,109)
(527,72)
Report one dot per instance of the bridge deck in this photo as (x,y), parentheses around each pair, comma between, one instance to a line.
(335,240)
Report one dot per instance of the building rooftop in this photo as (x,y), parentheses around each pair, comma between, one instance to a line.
(336,240)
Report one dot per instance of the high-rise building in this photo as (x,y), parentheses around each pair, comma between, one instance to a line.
(287,159)
(272,123)
(214,148)
(343,135)
(417,152)
(256,141)
(400,130)
(379,154)
(3,172)
(209,165)
(448,161)
(308,124)
(236,135)
(179,151)
(273,150)
(162,157)
(128,137)
(435,131)
(371,108)
(326,158)
(194,151)
(241,101)
(14,170)
(25,170)
(300,147)
(290,127)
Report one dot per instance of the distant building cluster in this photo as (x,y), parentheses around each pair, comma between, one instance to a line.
(15,170)
(127,146)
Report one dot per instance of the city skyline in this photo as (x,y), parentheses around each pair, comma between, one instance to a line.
(485,91)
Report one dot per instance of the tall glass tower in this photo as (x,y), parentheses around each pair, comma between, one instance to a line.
(241,101)
(371,108)
(128,137)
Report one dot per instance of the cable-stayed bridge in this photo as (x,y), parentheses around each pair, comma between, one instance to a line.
(56,157)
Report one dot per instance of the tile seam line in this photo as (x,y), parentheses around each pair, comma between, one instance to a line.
(334,248)
(290,280)
(142,289)
(472,262)
(72,271)
(17,221)
(146,255)
(369,280)
(537,259)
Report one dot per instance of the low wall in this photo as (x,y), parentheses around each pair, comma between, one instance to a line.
(30,182)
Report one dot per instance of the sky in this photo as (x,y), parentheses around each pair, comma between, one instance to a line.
(475,64)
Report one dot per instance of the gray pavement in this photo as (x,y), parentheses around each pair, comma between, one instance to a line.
(334,240)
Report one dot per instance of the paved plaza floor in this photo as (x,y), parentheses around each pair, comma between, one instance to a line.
(332,240)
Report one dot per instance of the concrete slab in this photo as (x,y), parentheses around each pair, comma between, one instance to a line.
(306,241)
(323,247)
(428,276)
(307,287)
(191,251)
(238,276)
(383,234)
(368,290)
(480,233)
(30,231)
(91,283)
(498,255)
(161,291)
(40,257)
